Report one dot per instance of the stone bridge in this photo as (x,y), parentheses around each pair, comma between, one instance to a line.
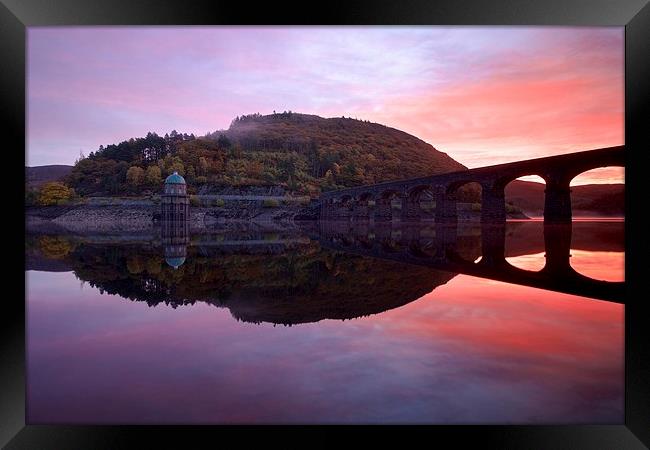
(374,202)
(413,244)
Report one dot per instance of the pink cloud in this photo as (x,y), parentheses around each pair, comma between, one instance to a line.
(481,94)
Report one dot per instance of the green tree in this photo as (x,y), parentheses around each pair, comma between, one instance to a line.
(191,174)
(223,141)
(153,176)
(31,197)
(177,166)
(135,175)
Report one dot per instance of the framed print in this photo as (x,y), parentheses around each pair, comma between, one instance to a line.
(246,221)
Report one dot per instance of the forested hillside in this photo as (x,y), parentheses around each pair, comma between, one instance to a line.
(303,153)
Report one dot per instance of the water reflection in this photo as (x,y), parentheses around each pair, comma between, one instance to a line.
(597,248)
(150,335)
(335,271)
(444,248)
(289,279)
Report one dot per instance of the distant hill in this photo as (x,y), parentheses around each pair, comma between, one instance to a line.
(38,175)
(588,199)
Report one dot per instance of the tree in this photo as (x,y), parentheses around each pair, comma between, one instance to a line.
(135,175)
(81,157)
(191,174)
(153,176)
(54,193)
(177,166)
(223,141)
(314,159)
(203,166)
(31,197)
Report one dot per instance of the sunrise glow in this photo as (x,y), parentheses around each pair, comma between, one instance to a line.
(484,95)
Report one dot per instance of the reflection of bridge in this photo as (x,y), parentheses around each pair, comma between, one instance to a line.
(439,250)
(374,202)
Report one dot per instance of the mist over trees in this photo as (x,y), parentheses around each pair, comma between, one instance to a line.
(304,153)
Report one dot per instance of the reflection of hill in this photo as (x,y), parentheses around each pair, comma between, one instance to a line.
(340,286)
(285,277)
(290,283)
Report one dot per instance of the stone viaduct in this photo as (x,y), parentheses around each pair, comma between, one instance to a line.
(374,202)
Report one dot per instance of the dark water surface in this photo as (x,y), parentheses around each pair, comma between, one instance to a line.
(326,324)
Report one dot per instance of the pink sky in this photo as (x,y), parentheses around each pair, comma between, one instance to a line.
(484,95)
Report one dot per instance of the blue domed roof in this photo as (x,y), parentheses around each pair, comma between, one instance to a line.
(175,262)
(175,178)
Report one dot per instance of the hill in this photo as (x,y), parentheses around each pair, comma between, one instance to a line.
(303,153)
(364,152)
(39,175)
(589,199)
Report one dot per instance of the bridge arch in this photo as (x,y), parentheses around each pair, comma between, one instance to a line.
(524,197)
(344,206)
(610,198)
(365,197)
(422,248)
(384,204)
(418,202)
(363,202)
(462,198)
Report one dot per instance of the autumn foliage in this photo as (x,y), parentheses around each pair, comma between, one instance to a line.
(304,153)
(54,193)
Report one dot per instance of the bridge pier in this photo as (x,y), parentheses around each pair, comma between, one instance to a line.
(383,210)
(557,244)
(332,210)
(410,233)
(344,211)
(493,204)
(361,212)
(446,239)
(557,201)
(325,210)
(445,206)
(410,209)
(493,244)
(382,233)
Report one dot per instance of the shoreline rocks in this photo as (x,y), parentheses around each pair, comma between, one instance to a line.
(141,217)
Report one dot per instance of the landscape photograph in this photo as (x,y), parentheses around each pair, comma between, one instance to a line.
(325,225)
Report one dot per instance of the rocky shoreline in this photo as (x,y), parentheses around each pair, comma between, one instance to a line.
(143,216)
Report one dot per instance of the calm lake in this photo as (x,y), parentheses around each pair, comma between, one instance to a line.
(328,324)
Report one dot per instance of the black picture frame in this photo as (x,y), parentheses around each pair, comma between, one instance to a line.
(634,15)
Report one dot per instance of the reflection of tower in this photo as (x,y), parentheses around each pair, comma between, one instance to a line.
(175,237)
(175,220)
(175,201)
